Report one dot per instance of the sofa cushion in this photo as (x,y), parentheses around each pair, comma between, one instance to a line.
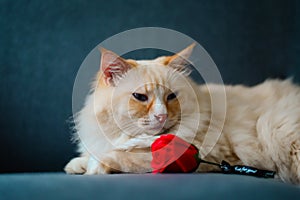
(142,186)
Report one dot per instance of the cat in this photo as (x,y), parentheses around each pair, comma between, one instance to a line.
(132,102)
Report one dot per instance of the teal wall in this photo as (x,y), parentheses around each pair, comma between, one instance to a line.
(43,43)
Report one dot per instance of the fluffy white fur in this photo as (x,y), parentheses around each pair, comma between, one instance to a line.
(256,126)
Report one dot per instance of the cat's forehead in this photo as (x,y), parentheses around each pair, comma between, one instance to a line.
(160,61)
(149,76)
(152,78)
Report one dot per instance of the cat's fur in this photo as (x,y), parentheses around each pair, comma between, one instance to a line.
(261,127)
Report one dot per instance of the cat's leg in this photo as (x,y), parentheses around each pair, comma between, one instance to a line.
(295,162)
(287,162)
(280,142)
(107,165)
(77,165)
(116,161)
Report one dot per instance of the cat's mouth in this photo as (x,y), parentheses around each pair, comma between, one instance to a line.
(163,130)
(158,128)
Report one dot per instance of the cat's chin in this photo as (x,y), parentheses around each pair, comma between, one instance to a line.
(156,130)
(159,131)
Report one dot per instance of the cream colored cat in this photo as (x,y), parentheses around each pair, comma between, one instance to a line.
(133,102)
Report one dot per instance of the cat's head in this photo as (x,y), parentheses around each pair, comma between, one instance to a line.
(147,96)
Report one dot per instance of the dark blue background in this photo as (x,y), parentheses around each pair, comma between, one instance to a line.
(43,43)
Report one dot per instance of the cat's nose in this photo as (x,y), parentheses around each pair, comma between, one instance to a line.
(161,117)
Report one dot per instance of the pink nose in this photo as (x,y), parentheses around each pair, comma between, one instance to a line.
(161,117)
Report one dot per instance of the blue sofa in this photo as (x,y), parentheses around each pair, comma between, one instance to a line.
(148,186)
(43,43)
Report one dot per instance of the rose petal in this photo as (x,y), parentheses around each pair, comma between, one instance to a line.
(173,154)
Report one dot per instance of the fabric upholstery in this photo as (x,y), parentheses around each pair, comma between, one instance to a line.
(148,186)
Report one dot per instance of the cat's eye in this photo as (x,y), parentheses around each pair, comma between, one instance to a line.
(171,96)
(140,97)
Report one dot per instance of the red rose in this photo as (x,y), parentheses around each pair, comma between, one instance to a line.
(172,154)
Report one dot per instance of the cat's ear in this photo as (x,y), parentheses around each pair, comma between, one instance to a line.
(180,60)
(112,66)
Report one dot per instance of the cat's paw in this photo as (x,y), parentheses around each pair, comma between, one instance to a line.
(105,166)
(136,143)
(77,165)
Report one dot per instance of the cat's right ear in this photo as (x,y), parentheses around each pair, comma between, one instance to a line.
(180,61)
(112,67)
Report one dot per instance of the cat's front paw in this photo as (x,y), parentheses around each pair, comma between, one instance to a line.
(77,165)
(105,166)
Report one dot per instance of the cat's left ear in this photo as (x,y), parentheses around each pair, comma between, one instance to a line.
(112,66)
(180,60)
